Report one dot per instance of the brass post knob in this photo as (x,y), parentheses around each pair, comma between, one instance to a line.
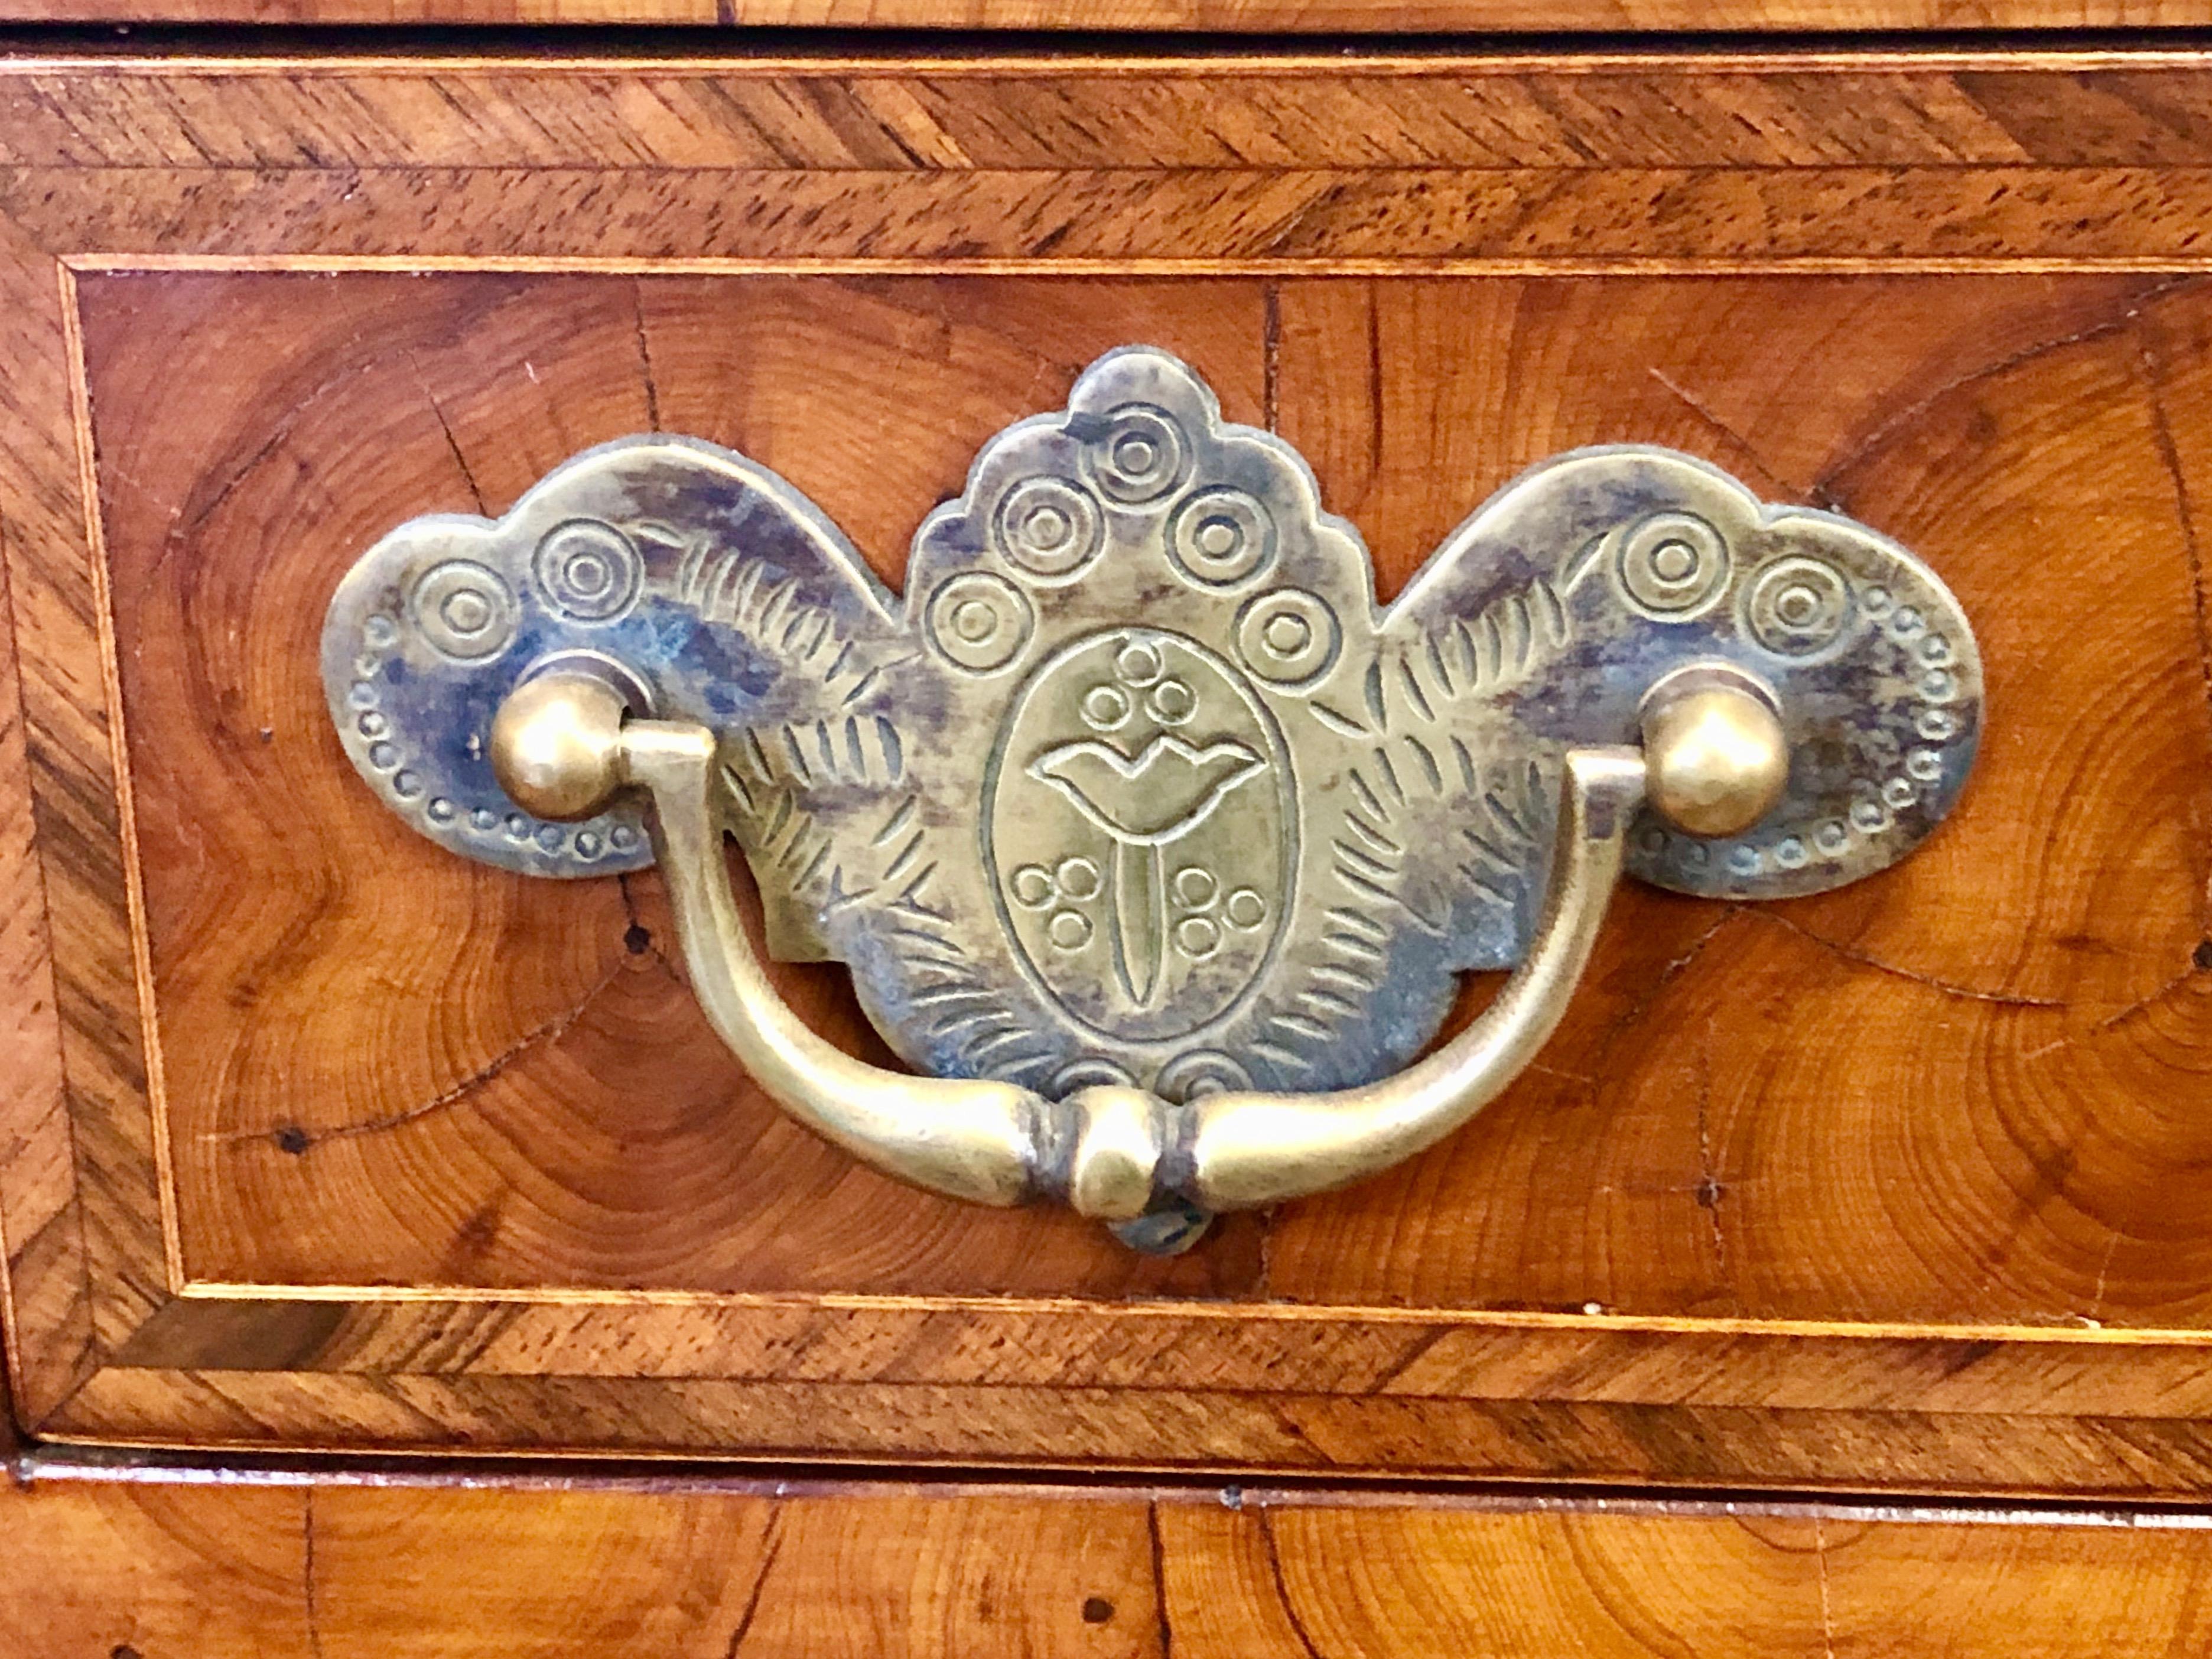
(557,745)
(1714,750)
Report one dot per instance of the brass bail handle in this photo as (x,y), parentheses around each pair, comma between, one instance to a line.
(1713,762)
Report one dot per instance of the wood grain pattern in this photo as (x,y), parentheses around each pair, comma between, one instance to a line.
(1390,18)
(1750,1089)
(80,1234)
(1896,1188)
(405,1568)
(42,1262)
(1017,1382)
(1256,115)
(1762,162)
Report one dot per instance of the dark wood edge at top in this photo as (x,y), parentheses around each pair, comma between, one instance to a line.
(105,1342)
(62,1465)
(766,53)
(1233,17)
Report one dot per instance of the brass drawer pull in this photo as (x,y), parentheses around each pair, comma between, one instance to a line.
(1151,844)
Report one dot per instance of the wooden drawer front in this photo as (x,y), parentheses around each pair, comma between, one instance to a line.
(317,1136)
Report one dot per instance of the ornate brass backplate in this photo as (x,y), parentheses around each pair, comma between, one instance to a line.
(1135,786)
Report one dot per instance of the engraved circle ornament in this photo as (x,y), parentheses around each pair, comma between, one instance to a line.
(464,611)
(1798,607)
(1140,455)
(1673,566)
(1222,536)
(1051,527)
(980,621)
(1289,637)
(589,572)
(1139,833)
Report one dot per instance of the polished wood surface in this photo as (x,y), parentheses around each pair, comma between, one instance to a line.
(1896,1188)
(1099,165)
(412,1567)
(1765,160)
(391,1066)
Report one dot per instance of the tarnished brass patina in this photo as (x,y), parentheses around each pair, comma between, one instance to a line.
(1151,845)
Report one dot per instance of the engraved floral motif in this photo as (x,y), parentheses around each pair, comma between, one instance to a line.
(1143,803)
(1140,742)
(1147,799)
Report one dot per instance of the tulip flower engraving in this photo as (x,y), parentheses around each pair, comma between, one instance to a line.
(1142,804)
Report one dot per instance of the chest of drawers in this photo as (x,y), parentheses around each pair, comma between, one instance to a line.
(321,1143)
